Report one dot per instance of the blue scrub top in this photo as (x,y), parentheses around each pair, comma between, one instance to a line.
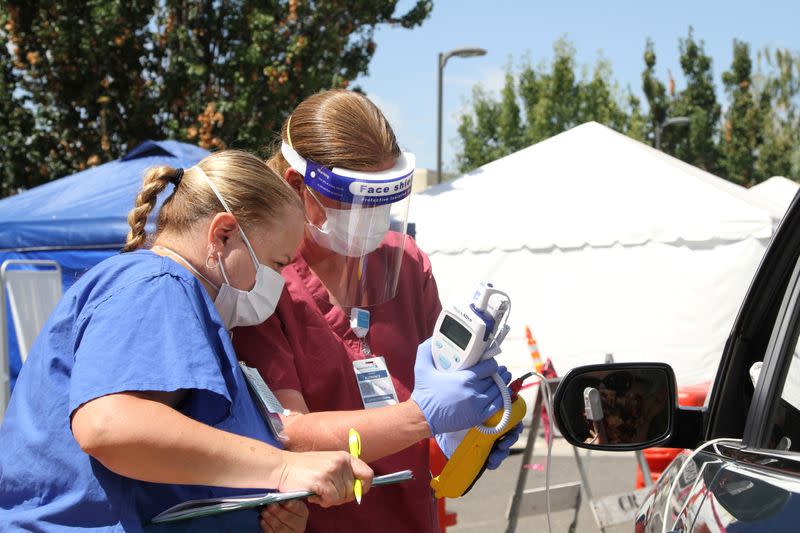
(135,322)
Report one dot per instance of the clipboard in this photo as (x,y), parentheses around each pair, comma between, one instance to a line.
(213,506)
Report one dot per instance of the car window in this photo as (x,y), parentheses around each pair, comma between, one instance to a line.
(791,387)
(784,433)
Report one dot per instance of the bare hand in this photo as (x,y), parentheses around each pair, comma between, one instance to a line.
(287,517)
(329,475)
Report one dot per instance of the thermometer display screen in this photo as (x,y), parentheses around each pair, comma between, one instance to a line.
(455,332)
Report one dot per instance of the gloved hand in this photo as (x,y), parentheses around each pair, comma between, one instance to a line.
(448,442)
(502,447)
(457,400)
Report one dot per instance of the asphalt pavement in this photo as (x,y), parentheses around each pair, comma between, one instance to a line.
(485,507)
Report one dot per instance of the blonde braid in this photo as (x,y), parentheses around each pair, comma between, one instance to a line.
(154,182)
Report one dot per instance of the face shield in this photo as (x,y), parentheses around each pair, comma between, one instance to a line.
(355,227)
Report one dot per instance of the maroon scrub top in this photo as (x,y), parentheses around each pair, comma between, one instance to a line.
(308,346)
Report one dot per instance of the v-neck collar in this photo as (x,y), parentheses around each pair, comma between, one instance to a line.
(334,315)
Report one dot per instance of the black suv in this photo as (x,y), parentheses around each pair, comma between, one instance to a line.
(740,471)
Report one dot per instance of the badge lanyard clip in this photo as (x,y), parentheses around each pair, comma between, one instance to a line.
(372,375)
(359,323)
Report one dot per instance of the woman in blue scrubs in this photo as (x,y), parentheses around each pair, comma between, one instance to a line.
(131,399)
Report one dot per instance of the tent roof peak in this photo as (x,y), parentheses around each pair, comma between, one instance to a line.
(148,148)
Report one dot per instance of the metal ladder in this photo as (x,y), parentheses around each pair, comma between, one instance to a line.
(607,511)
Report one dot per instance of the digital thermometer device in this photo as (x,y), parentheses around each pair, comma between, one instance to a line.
(463,336)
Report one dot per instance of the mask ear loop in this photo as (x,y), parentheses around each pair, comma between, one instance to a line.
(239,226)
(222,268)
(249,248)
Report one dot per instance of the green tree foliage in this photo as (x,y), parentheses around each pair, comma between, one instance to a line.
(637,121)
(479,131)
(76,66)
(510,132)
(741,129)
(698,101)
(552,98)
(654,90)
(696,144)
(563,94)
(598,101)
(16,128)
(757,137)
(86,81)
(778,96)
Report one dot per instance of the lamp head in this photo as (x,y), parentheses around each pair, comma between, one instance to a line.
(467,52)
(677,121)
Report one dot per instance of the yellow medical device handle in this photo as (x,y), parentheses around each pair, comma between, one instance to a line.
(469,459)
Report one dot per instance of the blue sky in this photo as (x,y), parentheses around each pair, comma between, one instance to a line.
(402,75)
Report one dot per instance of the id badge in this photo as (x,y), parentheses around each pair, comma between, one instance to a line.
(374,382)
(268,404)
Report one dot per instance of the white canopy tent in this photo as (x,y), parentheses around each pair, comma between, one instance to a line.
(605,245)
(777,191)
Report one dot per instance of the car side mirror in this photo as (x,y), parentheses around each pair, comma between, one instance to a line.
(617,407)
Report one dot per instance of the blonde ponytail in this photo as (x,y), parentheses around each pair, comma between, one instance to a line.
(155,181)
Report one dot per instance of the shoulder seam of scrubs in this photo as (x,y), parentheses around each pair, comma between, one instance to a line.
(87,311)
(164,271)
(149,275)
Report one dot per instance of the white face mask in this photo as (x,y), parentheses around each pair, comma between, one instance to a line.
(248,308)
(243,308)
(238,307)
(351,232)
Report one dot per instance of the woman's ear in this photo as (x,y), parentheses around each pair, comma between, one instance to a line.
(223,226)
(295,180)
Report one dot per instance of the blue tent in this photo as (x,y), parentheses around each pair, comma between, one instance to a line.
(80,220)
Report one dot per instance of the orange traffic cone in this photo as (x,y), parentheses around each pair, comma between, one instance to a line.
(544,368)
(533,347)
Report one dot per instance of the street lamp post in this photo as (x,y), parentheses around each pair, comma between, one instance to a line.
(457,52)
(674,121)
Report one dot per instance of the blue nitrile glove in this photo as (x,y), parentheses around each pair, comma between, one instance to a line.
(452,401)
(504,374)
(502,447)
(448,442)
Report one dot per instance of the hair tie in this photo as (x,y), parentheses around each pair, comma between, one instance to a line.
(176,179)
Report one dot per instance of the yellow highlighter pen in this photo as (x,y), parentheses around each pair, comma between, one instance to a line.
(355,451)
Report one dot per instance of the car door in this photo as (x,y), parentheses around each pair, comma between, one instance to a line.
(756,485)
(751,484)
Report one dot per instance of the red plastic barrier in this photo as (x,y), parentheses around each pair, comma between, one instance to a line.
(438,460)
(659,458)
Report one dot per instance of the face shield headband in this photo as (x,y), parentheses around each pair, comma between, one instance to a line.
(366,189)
